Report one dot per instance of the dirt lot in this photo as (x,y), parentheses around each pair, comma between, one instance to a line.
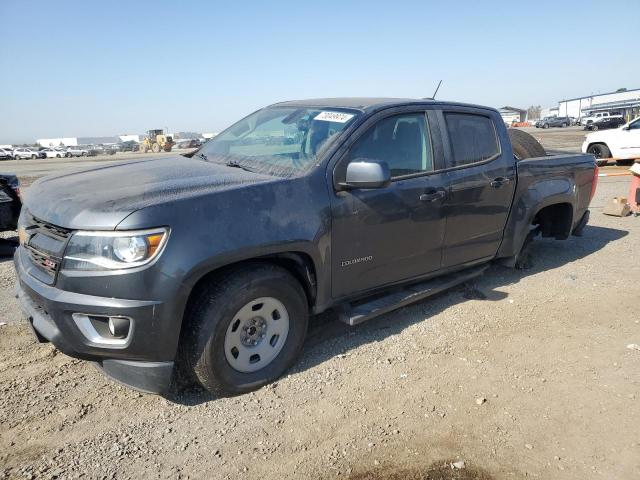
(519,374)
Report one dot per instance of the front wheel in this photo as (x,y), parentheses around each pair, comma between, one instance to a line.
(245,329)
(594,128)
(33,157)
(601,152)
(545,126)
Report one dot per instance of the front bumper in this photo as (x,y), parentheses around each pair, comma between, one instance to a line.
(141,364)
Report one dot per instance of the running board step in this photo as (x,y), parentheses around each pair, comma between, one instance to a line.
(358,312)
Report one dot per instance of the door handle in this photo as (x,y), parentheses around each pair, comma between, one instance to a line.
(499,182)
(432,197)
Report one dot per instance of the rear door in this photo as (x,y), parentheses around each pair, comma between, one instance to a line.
(386,235)
(482,180)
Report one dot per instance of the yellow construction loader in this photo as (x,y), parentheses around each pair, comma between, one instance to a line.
(156,141)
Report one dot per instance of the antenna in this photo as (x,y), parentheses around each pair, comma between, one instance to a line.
(437,88)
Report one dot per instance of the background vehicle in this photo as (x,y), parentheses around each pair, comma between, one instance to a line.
(129,146)
(24,152)
(596,117)
(6,154)
(10,203)
(76,152)
(541,122)
(623,144)
(605,123)
(555,122)
(300,207)
(54,152)
(156,141)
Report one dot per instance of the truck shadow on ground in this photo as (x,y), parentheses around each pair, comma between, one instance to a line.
(327,337)
(436,471)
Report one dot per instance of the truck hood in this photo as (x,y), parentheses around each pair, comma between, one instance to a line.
(100,198)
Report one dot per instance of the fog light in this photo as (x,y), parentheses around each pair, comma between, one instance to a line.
(118,327)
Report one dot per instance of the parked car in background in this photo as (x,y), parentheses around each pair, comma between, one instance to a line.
(129,146)
(605,123)
(10,202)
(554,122)
(622,143)
(6,154)
(192,143)
(598,116)
(76,152)
(26,152)
(573,121)
(53,152)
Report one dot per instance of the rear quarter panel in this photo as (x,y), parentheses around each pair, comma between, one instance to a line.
(542,182)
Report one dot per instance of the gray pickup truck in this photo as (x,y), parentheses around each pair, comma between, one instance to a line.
(211,265)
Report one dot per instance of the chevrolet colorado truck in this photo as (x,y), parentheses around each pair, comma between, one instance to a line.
(212,265)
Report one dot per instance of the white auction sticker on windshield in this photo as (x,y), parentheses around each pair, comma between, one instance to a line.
(334,117)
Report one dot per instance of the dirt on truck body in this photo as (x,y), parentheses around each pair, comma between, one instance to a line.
(207,267)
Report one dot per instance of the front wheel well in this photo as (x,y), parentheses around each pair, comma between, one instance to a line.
(555,220)
(299,264)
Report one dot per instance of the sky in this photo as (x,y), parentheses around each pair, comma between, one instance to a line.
(89,68)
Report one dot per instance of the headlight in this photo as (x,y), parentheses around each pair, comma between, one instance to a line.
(113,250)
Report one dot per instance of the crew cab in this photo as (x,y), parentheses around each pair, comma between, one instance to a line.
(210,264)
(597,117)
(622,144)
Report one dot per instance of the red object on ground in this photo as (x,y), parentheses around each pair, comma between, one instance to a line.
(631,198)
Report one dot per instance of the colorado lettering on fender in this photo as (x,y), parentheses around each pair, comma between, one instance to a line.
(346,263)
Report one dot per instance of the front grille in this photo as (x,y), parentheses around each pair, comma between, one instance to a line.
(45,245)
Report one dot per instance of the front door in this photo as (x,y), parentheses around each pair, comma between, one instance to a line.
(482,181)
(630,140)
(386,235)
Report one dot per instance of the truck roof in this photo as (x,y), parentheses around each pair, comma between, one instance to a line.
(368,103)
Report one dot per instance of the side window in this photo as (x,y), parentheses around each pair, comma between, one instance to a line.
(473,138)
(635,125)
(402,141)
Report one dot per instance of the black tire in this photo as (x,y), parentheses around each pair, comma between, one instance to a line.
(594,128)
(67,155)
(525,145)
(625,163)
(33,157)
(211,313)
(564,125)
(58,156)
(600,151)
(546,125)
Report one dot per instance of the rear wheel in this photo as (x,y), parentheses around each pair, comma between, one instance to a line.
(68,155)
(546,125)
(594,128)
(155,148)
(525,145)
(601,152)
(33,157)
(245,329)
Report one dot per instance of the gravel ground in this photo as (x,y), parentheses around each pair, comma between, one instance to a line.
(517,374)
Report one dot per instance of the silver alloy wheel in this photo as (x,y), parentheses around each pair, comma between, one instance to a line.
(256,334)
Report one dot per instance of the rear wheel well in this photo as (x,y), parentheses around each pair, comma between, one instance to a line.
(555,220)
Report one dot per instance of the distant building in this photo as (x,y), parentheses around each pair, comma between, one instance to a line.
(625,102)
(75,141)
(512,114)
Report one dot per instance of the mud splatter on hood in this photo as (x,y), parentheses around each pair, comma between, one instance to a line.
(101,197)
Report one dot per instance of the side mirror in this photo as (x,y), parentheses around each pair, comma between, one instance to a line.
(367,174)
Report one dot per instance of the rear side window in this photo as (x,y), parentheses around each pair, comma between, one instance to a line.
(473,138)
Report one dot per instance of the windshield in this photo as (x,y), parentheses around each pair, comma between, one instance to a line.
(278,140)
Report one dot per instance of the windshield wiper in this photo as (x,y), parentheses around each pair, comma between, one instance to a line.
(234,164)
(202,156)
